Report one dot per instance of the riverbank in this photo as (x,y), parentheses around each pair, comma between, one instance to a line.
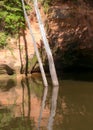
(69,32)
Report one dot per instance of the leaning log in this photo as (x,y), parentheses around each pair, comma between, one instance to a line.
(46,44)
(35,47)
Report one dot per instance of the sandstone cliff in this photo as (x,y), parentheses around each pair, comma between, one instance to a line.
(69,29)
(70,33)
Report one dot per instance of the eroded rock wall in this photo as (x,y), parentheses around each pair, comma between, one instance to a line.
(70,33)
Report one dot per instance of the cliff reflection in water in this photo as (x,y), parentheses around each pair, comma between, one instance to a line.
(22,104)
(27,105)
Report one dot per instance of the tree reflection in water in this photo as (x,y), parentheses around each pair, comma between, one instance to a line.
(28,105)
(15,114)
(53,106)
(26,84)
(42,106)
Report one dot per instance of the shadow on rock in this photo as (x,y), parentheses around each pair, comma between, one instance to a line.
(5,69)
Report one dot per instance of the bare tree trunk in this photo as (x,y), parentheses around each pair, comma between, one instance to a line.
(20,54)
(35,47)
(47,48)
(26,53)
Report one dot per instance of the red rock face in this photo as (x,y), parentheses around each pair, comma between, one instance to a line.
(69,23)
(70,32)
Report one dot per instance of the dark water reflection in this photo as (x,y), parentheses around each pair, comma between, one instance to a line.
(26,105)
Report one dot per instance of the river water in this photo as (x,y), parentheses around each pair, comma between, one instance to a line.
(25,104)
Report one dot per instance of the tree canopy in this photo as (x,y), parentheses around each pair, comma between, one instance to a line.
(11,16)
(11,19)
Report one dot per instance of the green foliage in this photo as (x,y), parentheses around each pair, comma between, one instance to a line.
(46,4)
(11,16)
(46,7)
(3,38)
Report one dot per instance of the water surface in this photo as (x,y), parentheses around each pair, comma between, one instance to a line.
(25,104)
